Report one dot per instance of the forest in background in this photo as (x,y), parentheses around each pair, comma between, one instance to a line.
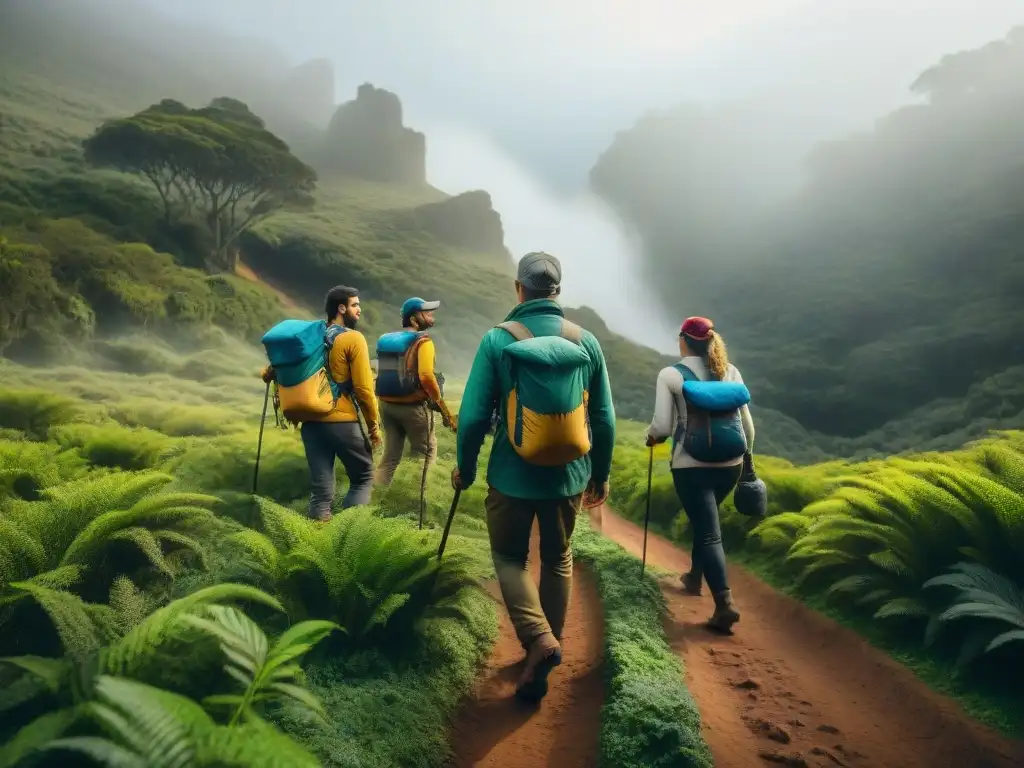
(883,295)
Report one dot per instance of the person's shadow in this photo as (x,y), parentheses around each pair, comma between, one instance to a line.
(494,719)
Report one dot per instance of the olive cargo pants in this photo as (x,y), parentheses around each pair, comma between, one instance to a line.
(509,522)
(401,421)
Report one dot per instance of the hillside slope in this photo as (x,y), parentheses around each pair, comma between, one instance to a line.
(850,300)
(98,242)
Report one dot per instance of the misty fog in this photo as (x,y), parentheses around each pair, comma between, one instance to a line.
(600,257)
(522,99)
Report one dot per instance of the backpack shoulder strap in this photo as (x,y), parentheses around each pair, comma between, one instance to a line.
(412,353)
(518,331)
(687,374)
(332,334)
(572,332)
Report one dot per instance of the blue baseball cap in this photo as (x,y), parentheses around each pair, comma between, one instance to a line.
(416,304)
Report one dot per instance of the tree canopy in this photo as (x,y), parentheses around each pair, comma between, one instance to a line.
(218,163)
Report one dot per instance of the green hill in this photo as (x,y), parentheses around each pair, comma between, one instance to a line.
(103,259)
(886,288)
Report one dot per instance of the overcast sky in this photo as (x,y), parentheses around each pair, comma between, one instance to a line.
(553,79)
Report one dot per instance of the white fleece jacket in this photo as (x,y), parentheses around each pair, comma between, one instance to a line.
(670,411)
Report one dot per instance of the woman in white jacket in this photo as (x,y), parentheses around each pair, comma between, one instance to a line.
(703,483)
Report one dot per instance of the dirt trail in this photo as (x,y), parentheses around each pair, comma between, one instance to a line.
(493,729)
(791,687)
(246,272)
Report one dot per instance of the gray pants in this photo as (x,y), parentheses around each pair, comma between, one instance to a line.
(403,422)
(324,441)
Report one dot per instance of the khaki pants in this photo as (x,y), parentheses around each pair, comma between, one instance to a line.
(509,521)
(400,422)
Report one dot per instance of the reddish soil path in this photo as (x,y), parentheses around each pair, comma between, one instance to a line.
(791,687)
(493,729)
(246,272)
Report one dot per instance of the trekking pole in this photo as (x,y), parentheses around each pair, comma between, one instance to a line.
(647,510)
(259,442)
(448,523)
(426,465)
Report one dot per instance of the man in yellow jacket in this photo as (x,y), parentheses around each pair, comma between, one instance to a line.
(339,434)
(409,389)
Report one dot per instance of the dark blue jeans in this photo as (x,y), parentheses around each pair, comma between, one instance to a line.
(324,442)
(701,490)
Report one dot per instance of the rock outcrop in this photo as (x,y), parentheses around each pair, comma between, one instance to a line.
(366,138)
(466,221)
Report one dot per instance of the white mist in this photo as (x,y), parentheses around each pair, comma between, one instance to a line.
(600,258)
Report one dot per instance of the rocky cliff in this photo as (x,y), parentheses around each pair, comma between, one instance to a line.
(366,138)
(466,221)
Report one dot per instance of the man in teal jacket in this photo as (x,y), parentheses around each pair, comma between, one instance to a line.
(519,491)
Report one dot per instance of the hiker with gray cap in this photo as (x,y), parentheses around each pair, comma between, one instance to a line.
(552,453)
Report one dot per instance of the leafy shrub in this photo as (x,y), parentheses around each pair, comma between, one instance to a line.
(111,446)
(84,534)
(363,572)
(176,419)
(28,467)
(145,725)
(992,605)
(226,464)
(34,411)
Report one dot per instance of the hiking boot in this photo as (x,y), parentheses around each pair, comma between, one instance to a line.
(544,655)
(691,583)
(725,614)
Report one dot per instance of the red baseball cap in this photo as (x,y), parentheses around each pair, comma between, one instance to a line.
(697,328)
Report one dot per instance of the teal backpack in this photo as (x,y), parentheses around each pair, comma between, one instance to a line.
(714,423)
(299,352)
(546,408)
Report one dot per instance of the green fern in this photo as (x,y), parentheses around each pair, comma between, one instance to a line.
(254,744)
(267,673)
(35,736)
(83,627)
(360,571)
(991,605)
(61,543)
(131,653)
(129,604)
(146,727)
(902,607)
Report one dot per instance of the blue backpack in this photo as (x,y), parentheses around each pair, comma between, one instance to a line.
(299,353)
(397,372)
(714,423)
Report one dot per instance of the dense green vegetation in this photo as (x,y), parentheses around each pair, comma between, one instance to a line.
(649,718)
(920,553)
(883,296)
(119,233)
(152,610)
(132,552)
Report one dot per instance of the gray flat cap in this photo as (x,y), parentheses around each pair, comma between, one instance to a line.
(539,271)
